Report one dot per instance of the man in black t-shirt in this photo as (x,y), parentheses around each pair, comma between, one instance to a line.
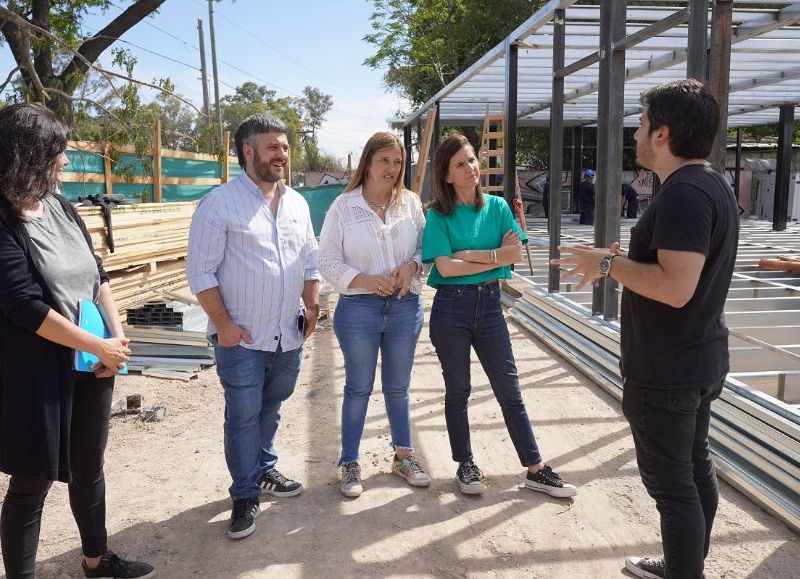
(673,337)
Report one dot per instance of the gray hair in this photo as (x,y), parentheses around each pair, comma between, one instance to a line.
(256,125)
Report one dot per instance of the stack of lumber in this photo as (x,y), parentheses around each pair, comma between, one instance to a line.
(150,241)
(168,353)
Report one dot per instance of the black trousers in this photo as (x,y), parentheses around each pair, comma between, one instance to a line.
(670,433)
(21,515)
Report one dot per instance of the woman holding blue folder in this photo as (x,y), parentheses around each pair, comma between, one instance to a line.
(53,419)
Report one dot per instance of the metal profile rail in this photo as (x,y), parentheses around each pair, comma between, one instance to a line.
(755,439)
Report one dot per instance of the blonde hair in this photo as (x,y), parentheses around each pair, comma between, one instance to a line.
(380,140)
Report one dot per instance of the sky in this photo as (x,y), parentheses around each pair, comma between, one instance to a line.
(285,45)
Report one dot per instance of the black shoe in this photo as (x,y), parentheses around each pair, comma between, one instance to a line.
(646,568)
(549,482)
(243,518)
(276,484)
(470,478)
(112,566)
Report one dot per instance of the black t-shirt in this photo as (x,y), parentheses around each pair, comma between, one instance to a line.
(586,194)
(671,348)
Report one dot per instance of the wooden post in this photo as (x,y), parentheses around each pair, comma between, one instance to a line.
(107,168)
(157,197)
(424,151)
(226,145)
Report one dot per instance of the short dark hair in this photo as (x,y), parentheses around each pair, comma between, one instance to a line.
(690,112)
(256,125)
(32,139)
(444,195)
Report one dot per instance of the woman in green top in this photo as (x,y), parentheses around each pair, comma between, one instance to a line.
(472,240)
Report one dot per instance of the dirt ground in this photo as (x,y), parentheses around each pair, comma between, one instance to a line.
(168,502)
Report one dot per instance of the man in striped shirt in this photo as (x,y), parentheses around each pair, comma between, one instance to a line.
(252,260)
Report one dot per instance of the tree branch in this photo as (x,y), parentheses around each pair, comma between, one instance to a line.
(21,23)
(8,78)
(91,49)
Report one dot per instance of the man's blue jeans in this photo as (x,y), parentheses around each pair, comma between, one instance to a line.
(670,433)
(465,316)
(365,324)
(255,382)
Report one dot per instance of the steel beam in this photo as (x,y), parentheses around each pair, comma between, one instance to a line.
(720,73)
(556,149)
(510,126)
(783,171)
(611,112)
(737,172)
(697,38)
(653,30)
(577,166)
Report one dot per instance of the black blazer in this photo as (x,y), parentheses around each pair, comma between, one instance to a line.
(35,374)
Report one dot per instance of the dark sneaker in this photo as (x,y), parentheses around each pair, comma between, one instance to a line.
(470,478)
(549,482)
(112,566)
(276,484)
(645,567)
(351,480)
(243,518)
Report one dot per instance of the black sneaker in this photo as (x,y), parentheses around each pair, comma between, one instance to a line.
(276,484)
(645,567)
(549,482)
(112,566)
(243,518)
(470,478)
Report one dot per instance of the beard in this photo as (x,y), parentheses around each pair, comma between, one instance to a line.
(264,171)
(644,155)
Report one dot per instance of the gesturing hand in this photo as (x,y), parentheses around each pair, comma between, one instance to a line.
(584,262)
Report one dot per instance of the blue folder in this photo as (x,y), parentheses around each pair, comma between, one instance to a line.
(91,320)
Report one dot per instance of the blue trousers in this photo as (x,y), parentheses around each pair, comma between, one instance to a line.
(465,316)
(255,382)
(364,325)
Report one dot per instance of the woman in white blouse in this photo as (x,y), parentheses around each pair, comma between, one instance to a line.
(370,253)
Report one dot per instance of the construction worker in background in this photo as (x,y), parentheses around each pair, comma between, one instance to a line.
(586,195)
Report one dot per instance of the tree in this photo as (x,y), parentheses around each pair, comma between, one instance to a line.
(52,55)
(424,44)
(313,106)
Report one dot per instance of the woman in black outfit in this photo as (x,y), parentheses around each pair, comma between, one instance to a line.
(53,419)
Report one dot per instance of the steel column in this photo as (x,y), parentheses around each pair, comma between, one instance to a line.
(510,126)
(556,148)
(696,48)
(719,74)
(736,175)
(611,114)
(783,171)
(577,166)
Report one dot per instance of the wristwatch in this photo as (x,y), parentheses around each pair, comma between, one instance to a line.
(604,267)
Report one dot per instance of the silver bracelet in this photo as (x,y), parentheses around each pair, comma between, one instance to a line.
(493,255)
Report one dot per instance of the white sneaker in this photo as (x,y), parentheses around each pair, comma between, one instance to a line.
(351,480)
(645,567)
(470,478)
(409,469)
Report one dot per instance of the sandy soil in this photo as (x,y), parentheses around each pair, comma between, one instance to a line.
(168,501)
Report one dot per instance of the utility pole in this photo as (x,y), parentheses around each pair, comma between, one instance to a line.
(204,71)
(214,68)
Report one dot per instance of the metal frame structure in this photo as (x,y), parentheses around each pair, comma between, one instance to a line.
(572,65)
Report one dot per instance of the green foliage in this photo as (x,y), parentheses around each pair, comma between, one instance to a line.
(424,44)
(313,107)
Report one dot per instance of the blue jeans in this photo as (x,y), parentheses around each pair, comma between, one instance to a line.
(363,325)
(670,434)
(255,382)
(465,316)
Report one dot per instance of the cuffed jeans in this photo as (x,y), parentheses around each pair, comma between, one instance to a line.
(255,382)
(21,516)
(365,324)
(670,433)
(465,316)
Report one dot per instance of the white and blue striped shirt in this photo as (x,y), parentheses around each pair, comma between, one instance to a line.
(258,261)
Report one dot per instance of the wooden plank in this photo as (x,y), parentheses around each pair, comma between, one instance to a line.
(107,169)
(226,143)
(157,198)
(85,146)
(168,374)
(72,177)
(424,151)
(188,155)
(191,181)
